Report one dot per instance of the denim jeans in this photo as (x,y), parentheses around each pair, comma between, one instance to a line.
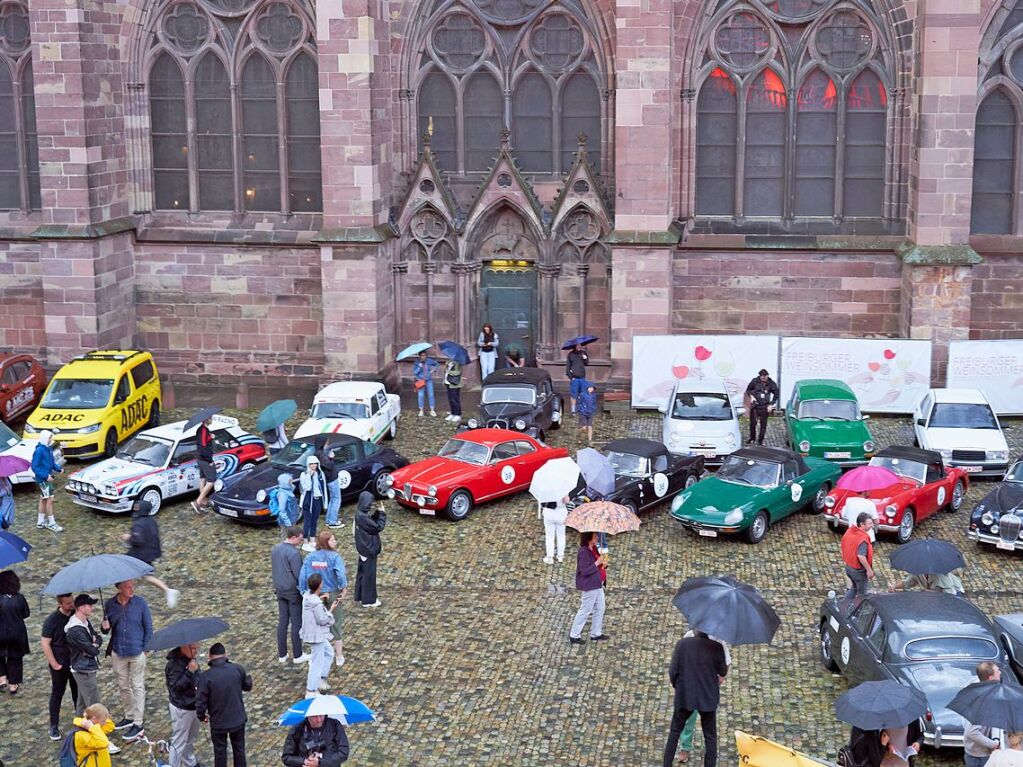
(319,665)
(333,501)
(429,394)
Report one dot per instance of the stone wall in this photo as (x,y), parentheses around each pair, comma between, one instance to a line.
(997,307)
(22,320)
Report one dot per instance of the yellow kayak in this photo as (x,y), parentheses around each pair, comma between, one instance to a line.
(755,751)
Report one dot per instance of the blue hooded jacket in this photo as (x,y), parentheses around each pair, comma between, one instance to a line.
(43,464)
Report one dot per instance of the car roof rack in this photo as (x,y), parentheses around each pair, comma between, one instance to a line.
(101,355)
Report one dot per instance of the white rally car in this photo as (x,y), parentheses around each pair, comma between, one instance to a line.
(161,463)
(361,409)
(12,444)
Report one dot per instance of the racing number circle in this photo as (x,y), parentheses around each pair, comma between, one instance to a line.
(344,479)
(660,485)
(507,475)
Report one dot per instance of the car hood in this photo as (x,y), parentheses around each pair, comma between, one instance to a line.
(940,681)
(713,495)
(112,471)
(965,439)
(691,432)
(52,419)
(436,471)
(882,496)
(1008,496)
(836,433)
(360,428)
(505,410)
(244,486)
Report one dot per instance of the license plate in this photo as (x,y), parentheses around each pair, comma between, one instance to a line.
(708,533)
(228,512)
(707,451)
(428,512)
(838,454)
(1005,545)
(971,469)
(89,498)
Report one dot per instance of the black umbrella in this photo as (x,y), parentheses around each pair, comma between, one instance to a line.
(200,416)
(876,705)
(991,704)
(186,631)
(927,556)
(727,609)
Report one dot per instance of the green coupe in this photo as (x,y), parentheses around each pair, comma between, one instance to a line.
(823,420)
(754,488)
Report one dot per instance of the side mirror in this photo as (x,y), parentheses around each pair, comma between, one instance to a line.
(788,482)
(921,422)
(662,408)
(866,417)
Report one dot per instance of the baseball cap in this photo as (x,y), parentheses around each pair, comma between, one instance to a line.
(84,599)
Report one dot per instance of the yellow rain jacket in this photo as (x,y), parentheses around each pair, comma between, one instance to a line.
(91,742)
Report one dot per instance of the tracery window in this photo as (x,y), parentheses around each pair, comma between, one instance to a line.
(530,65)
(234,107)
(19,148)
(792,112)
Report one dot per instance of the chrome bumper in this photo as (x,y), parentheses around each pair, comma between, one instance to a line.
(994,540)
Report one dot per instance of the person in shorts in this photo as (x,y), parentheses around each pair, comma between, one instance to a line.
(44,469)
(586,408)
(207,471)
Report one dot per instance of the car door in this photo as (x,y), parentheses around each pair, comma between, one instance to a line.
(383,412)
(785,497)
(352,468)
(920,419)
(505,471)
(790,416)
(17,394)
(854,655)
(655,486)
(184,477)
(543,405)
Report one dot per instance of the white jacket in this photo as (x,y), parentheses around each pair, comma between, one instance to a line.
(316,621)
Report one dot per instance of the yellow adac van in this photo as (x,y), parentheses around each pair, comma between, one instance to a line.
(98,399)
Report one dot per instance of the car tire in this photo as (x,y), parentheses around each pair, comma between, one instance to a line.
(958,496)
(246,466)
(824,648)
(379,483)
(110,444)
(154,415)
(459,505)
(757,530)
(630,504)
(392,430)
(816,504)
(906,525)
(691,480)
(834,526)
(154,497)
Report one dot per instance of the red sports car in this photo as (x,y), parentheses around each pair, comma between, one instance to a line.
(921,485)
(473,467)
(22,382)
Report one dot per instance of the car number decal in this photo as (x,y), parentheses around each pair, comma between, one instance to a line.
(845,650)
(834,623)
(507,474)
(941,496)
(797,492)
(344,479)
(660,484)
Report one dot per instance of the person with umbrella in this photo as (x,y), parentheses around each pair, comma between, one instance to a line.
(422,379)
(590,577)
(488,343)
(181,674)
(204,451)
(698,667)
(554,514)
(13,633)
(318,741)
(885,723)
(981,740)
(270,423)
(575,369)
(457,356)
(930,564)
(44,469)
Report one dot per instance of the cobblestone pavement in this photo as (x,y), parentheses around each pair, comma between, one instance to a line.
(467,662)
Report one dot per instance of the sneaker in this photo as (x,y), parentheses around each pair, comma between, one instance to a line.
(308,547)
(195,507)
(575,640)
(600,638)
(433,413)
(323,687)
(133,733)
(40,525)
(54,527)
(339,661)
(172,598)
(124,724)
(55,733)
(303,658)
(282,659)
(113,749)
(561,559)
(420,412)
(457,419)
(375,604)
(548,560)
(335,524)
(449,417)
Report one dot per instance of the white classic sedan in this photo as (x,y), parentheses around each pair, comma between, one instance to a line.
(961,425)
(362,409)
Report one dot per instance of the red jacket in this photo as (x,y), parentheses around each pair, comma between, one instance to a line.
(851,541)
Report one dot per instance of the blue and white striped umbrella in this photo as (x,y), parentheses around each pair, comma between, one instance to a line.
(346,710)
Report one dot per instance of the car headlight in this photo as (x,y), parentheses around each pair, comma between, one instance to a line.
(890,510)
(30,429)
(994,529)
(869,446)
(260,495)
(432,491)
(829,501)
(997,455)
(987,518)
(520,424)
(109,490)
(733,517)
(729,439)
(218,485)
(804,446)
(390,494)
(89,429)
(388,480)
(473,423)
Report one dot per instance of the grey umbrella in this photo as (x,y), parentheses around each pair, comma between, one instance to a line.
(991,704)
(95,572)
(201,416)
(187,631)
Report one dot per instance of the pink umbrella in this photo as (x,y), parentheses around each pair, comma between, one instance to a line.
(867,478)
(12,464)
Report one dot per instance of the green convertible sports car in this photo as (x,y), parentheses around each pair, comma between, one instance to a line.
(754,488)
(823,420)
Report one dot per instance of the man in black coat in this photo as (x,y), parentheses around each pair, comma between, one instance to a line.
(182,674)
(697,669)
(144,543)
(318,742)
(219,701)
(369,523)
(761,396)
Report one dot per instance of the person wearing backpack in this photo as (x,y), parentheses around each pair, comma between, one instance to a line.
(88,745)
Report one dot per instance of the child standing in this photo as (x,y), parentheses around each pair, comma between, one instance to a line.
(283,503)
(92,746)
(586,407)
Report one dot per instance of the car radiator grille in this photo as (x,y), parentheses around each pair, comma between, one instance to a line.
(497,423)
(407,489)
(968,455)
(1008,528)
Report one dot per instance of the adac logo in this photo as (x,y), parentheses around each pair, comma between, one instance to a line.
(62,417)
(134,412)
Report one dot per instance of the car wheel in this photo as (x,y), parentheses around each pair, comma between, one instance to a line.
(459,505)
(630,504)
(110,444)
(691,480)
(758,528)
(392,430)
(816,506)
(380,486)
(153,497)
(906,524)
(827,660)
(154,416)
(958,493)
(246,466)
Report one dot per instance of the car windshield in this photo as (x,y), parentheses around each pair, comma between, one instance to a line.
(78,393)
(340,410)
(1015,473)
(148,450)
(8,438)
(627,464)
(829,409)
(702,407)
(749,471)
(293,455)
(951,647)
(913,470)
(466,452)
(962,415)
(524,395)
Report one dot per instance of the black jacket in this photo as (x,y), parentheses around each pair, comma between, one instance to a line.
(368,527)
(144,542)
(763,393)
(575,365)
(13,633)
(181,682)
(696,664)
(219,695)
(84,643)
(329,740)
(327,464)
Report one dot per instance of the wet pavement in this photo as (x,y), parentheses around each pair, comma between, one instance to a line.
(467,662)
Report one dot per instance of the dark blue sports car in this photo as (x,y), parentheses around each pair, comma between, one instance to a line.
(361,466)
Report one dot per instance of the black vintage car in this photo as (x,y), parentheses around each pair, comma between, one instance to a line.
(928,640)
(361,466)
(647,474)
(520,399)
(998,518)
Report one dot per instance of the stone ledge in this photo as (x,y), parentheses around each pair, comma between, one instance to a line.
(87,232)
(833,243)
(671,236)
(354,235)
(938,255)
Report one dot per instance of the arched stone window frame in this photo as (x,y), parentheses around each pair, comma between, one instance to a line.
(233,37)
(16,61)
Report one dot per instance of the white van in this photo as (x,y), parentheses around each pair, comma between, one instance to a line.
(699,418)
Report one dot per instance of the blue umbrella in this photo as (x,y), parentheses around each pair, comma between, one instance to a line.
(346,710)
(187,631)
(95,572)
(596,470)
(12,549)
(454,351)
(276,413)
(578,341)
(200,416)
(413,350)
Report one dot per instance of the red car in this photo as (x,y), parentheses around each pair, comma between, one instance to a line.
(22,383)
(473,467)
(924,485)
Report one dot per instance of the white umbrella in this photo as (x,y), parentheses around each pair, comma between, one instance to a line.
(554,480)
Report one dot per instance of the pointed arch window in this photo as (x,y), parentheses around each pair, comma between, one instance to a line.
(792,115)
(532,67)
(234,107)
(19,148)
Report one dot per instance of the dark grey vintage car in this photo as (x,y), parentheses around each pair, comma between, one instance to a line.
(998,518)
(928,640)
(520,399)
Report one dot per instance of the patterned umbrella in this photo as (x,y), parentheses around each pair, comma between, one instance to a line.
(602,517)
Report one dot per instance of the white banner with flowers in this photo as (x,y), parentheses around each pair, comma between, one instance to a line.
(888,375)
(994,367)
(659,361)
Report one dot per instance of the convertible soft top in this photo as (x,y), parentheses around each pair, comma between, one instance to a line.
(524,375)
(910,454)
(647,448)
(772,455)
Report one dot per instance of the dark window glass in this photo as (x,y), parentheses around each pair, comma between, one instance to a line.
(214,132)
(167,129)
(865,120)
(303,110)
(533,124)
(437,107)
(10,181)
(994,165)
(580,113)
(142,373)
(483,110)
(260,158)
(816,139)
(28,112)
(766,113)
(716,139)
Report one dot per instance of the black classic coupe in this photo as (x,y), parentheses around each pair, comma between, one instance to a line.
(998,518)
